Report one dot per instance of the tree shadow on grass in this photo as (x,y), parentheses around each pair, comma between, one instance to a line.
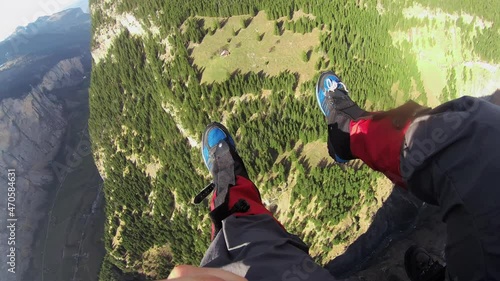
(247,22)
(223,22)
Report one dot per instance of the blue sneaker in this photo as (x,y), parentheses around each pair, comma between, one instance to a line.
(334,101)
(339,109)
(218,150)
(327,83)
(214,134)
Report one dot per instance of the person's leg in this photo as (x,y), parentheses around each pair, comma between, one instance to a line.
(254,245)
(247,239)
(451,157)
(374,137)
(447,157)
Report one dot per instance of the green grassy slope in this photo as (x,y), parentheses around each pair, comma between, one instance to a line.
(255,48)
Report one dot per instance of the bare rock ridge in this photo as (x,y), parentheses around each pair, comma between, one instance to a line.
(31,130)
(32,51)
(66,73)
(43,102)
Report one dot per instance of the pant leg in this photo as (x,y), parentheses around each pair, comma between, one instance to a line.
(243,190)
(256,246)
(378,143)
(451,158)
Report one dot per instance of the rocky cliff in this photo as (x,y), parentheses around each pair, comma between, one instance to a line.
(66,73)
(32,51)
(43,105)
(31,132)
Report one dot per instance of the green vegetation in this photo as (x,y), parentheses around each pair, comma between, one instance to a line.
(252,51)
(465,54)
(305,57)
(302,26)
(153,94)
(488,39)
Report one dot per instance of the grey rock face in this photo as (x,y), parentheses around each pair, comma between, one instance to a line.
(66,73)
(37,65)
(31,131)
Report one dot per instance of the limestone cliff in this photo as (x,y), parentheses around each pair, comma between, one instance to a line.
(66,73)
(32,130)
(43,108)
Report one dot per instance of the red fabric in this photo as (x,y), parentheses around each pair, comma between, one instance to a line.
(244,189)
(378,143)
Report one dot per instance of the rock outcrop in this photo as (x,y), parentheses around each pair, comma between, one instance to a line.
(31,130)
(66,73)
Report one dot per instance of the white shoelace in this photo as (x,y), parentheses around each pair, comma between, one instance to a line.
(331,85)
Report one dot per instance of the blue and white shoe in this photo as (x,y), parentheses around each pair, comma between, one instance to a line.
(214,134)
(339,109)
(327,83)
(218,150)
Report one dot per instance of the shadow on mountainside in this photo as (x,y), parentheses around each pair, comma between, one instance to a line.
(378,254)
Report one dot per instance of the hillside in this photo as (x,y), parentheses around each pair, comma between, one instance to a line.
(162,71)
(44,109)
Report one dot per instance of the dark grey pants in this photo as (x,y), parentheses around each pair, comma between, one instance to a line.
(451,158)
(258,248)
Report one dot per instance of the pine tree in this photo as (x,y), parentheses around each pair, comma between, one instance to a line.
(277,30)
(305,56)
